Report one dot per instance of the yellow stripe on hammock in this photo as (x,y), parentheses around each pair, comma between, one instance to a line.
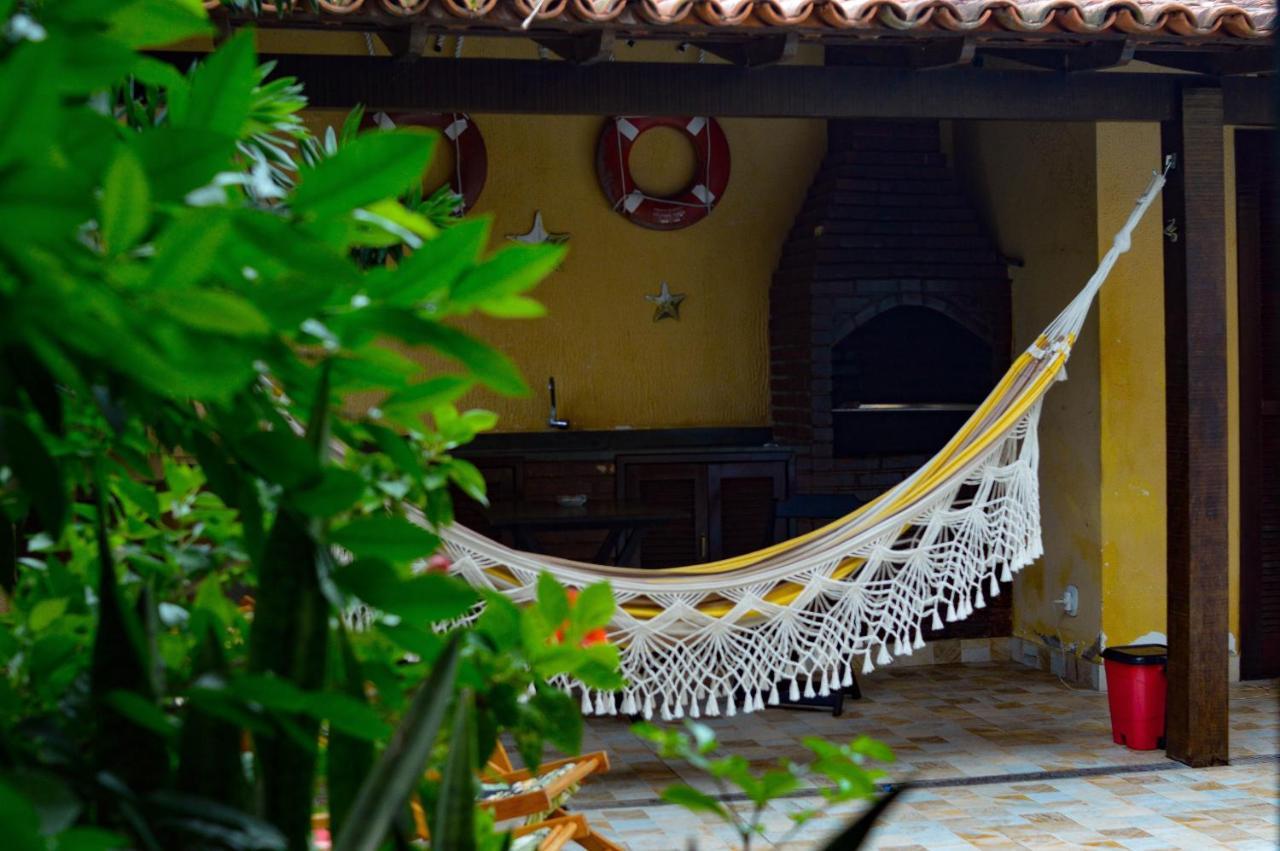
(939,468)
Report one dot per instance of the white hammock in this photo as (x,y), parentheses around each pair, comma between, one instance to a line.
(720,637)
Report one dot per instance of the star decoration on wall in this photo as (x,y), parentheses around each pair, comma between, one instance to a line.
(667,303)
(538,233)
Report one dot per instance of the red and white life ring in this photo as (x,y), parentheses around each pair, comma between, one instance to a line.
(470,158)
(692,204)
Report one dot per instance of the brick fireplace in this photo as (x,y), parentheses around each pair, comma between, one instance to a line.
(889,316)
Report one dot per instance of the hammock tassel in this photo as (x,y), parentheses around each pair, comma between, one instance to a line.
(586,702)
(951,612)
(648,706)
(1006,575)
(979,602)
(713,706)
(847,679)
(601,707)
(808,687)
(629,705)
(773,695)
(883,658)
(731,706)
(794,694)
(937,621)
(995,587)
(867,667)
(919,642)
(694,711)
(823,688)
(679,710)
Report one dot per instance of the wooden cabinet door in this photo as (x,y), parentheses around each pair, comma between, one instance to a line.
(741,496)
(677,485)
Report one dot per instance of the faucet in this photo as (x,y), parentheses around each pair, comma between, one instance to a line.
(553,421)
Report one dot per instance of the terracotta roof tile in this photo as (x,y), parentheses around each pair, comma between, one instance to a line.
(1247,19)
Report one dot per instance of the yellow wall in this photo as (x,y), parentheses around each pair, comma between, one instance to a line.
(1014,168)
(1133,399)
(614,366)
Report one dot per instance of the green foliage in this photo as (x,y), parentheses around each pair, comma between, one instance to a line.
(191,323)
(838,773)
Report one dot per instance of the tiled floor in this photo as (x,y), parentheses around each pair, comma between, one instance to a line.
(962,730)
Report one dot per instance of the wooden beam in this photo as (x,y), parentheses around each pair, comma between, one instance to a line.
(1218,63)
(1195,270)
(779,91)
(754,52)
(928,53)
(1093,56)
(581,49)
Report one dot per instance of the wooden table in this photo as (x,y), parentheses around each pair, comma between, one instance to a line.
(625,522)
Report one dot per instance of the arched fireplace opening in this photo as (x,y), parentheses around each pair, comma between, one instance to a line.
(904,381)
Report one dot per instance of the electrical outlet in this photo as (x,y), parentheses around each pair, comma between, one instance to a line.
(1071,601)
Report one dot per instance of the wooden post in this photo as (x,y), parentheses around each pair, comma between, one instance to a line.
(1196,411)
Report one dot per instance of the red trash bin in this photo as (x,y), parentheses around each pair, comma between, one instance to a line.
(1136,685)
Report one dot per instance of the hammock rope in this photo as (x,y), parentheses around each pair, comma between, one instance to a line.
(724,637)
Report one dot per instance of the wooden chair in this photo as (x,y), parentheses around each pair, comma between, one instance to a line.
(542,804)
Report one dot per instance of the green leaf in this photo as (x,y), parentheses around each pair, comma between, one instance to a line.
(20,820)
(552,599)
(509,272)
(512,307)
(594,606)
(468,478)
(424,599)
(46,612)
(348,715)
(186,253)
(125,204)
(489,365)
(500,620)
(694,801)
(280,457)
(28,93)
(429,271)
(384,536)
(562,716)
(336,491)
(142,712)
(22,451)
(158,23)
(453,825)
(222,88)
(374,167)
(386,790)
(873,748)
(214,311)
(89,839)
(425,396)
(179,159)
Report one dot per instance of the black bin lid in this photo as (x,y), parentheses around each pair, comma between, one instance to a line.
(1138,654)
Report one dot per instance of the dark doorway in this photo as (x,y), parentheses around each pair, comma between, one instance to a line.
(1258,240)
